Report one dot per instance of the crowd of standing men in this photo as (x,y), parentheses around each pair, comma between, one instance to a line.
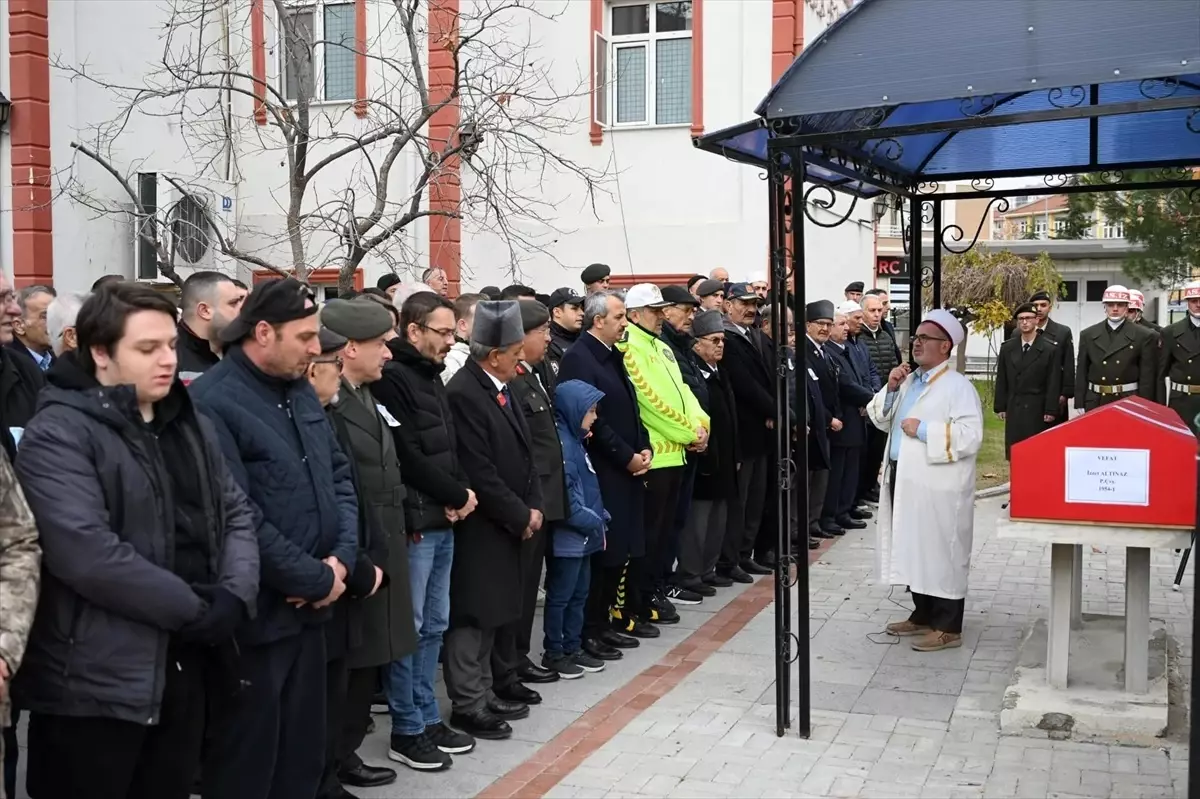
(234,525)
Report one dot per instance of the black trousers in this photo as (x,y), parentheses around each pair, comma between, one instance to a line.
(843,480)
(103,758)
(601,591)
(511,647)
(872,461)
(269,740)
(938,613)
(348,694)
(661,504)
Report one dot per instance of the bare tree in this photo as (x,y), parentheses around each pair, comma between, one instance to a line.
(348,175)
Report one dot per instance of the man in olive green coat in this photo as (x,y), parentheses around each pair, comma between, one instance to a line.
(385,631)
(1179,368)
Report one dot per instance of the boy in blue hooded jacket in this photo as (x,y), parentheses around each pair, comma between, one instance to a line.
(574,540)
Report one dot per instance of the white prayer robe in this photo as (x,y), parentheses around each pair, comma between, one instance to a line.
(925,535)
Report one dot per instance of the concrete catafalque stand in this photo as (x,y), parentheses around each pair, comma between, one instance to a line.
(1115,688)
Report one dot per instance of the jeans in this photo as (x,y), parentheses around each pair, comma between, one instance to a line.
(410,679)
(567,581)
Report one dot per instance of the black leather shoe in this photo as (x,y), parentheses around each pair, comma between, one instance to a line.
(643,629)
(698,586)
(617,640)
(851,524)
(364,776)
(718,580)
(766,559)
(531,672)
(860,514)
(751,567)
(519,694)
(817,532)
(739,575)
(600,650)
(505,710)
(814,543)
(483,724)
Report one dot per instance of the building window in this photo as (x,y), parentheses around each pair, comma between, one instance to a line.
(1095,290)
(318,41)
(649,51)
(1039,228)
(1068,291)
(1113,230)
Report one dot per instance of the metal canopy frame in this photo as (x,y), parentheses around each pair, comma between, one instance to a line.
(822,157)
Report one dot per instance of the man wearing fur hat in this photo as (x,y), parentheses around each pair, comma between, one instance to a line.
(934,423)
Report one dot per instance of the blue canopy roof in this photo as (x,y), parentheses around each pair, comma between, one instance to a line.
(900,92)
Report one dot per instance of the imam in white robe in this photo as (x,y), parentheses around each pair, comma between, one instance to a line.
(925,534)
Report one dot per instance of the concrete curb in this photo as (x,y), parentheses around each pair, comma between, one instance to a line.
(994,491)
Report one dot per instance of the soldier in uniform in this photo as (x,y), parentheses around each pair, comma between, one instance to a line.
(1137,302)
(1116,356)
(1179,368)
(1028,380)
(20,572)
(1060,335)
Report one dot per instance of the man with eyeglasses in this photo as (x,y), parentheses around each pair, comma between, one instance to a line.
(413,394)
(934,423)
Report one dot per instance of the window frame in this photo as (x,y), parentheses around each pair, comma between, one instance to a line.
(317,7)
(648,42)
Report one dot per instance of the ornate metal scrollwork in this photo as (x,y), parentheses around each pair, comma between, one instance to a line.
(977,106)
(954,233)
(1193,120)
(786,571)
(825,202)
(869,118)
(789,646)
(1066,98)
(926,276)
(1056,181)
(928,187)
(905,233)
(1158,88)
(786,126)
(1112,176)
(927,212)
(889,149)
(1193,195)
(786,209)
(983,184)
(780,167)
(1173,173)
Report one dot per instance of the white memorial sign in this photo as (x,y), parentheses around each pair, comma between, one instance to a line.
(1108,476)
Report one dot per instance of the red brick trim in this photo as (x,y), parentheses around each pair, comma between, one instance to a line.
(360,58)
(658,278)
(258,59)
(445,190)
(29,136)
(325,276)
(596,133)
(697,67)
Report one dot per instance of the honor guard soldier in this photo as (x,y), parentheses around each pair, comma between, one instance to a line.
(1116,356)
(1137,304)
(1179,382)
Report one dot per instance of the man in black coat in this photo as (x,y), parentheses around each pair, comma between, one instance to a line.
(846,445)
(1028,380)
(620,454)
(532,392)
(437,495)
(31,339)
(753,380)
(497,453)
(1061,335)
(208,303)
(148,547)
(566,321)
(821,367)
(20,380)
(283,452)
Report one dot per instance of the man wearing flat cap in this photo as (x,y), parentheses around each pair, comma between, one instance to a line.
(1060,335)
(854,291)
(532,389)
(283,453)
(934,424)
(823,368)
(1028,380)
(711,294)
(382,632)
(496,450)
(566,322)
(595,278)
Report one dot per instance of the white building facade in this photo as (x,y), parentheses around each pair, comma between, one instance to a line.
(581,131)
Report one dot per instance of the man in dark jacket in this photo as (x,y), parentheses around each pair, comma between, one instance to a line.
(31,339)
(566,320)
(753,380)
(20,378)
(413,394)
(1061,335)
(148,547)
(715,486)
(879,337)
(283,453)
(620,452)
(497,453)
(846,445)
(382,631)
(208,303)
(1028,381)
(532,392)
(819,322)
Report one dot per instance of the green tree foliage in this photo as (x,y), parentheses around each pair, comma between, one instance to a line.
(1165,223)
(1077,221)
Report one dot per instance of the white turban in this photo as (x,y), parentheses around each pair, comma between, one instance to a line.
(948,322)
(848,307)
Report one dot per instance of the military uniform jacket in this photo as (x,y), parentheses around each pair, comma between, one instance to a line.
(1180,364)
(1028,385)
(1120,357)
(1061,335)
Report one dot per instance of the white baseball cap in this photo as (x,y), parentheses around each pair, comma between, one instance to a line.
(849,307)
(645,295)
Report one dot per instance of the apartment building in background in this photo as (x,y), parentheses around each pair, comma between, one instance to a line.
(634,80)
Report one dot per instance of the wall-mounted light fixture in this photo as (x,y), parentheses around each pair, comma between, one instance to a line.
(5,110)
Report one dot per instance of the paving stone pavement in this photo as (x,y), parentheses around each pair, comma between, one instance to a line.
(887,721)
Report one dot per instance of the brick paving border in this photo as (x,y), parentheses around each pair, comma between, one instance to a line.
(567,751)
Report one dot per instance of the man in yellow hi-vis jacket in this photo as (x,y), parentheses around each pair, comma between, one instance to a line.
(676,425)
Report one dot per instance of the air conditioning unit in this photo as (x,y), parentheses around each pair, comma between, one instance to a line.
(194,215)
